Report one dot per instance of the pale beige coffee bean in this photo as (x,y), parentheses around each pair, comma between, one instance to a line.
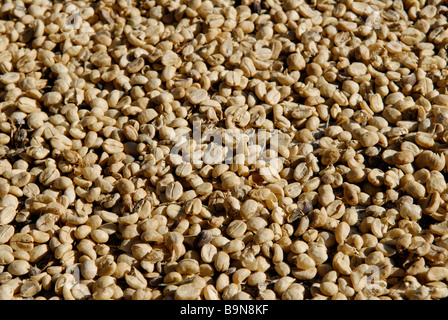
(89,269)
(249,209)
(172,277)
(294,292)
(169,58)
(80,291)
(293,190)
(4,189)
(49,175)
(376,103)
(330,156)
(263,235)
(204,188)
(303,261)
(232,246)
(236,229)
(172,238)
(125,186)
(222,261)
(19,267)
(211,293)
(229,180)
(318,252)
(91,173)
(112,146)
(341,263)
(135,279)
(295,62)
(208,253)
(283,284)
(299,246)
(256,223)
(20,180)
(6,257)
(103,293)
(411,211)
(173,191)
(436,274)
(342,231)
(62,183)
(52,98)
(99,236)
(21,241)
(272,97)
(415,189)
(7,215)
(39,236)
(357,69)
(187,292)
(240,275)
(27,105)
(403,157)
(30,288)
(233,78)
(328,288)
(369,139)
(188,266)
(197,96)
(256,278)
(184,169)
(38,252)
(6,232)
